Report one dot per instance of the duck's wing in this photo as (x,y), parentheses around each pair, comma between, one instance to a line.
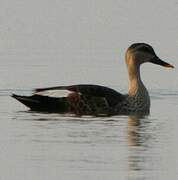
(111,96)
(82,99)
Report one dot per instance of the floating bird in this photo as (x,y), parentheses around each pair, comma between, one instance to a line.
(87,99)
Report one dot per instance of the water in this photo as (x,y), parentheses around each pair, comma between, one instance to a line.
(49,146)
(48,43)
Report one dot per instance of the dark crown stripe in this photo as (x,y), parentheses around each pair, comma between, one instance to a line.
(142,47)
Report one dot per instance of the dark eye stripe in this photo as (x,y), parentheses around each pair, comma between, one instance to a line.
(146,49)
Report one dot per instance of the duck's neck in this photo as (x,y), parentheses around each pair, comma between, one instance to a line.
(135,82)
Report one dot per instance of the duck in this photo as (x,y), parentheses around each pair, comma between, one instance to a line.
(97,100)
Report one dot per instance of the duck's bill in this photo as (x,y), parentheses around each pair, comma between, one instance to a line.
(158,61)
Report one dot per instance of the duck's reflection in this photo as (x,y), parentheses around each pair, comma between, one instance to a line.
(138,144)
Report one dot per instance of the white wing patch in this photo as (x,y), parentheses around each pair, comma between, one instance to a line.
(55,93)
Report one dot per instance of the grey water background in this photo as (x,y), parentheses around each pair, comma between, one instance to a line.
(49,43)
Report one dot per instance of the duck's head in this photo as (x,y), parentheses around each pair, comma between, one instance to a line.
(139,53)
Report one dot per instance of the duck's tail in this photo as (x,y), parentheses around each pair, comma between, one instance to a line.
(43,103)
